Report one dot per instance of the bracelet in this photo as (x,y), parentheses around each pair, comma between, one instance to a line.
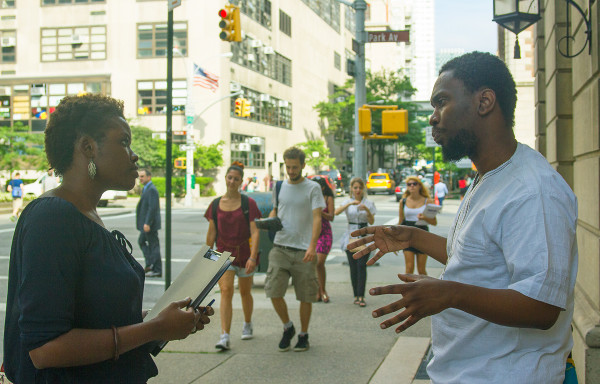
(252,259)
(116,337)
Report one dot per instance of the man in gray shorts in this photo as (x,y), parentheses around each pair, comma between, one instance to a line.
(294,251)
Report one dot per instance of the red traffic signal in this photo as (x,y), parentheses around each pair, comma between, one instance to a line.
(230,23)
(223,13)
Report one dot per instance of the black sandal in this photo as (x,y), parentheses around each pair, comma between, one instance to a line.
(361,302)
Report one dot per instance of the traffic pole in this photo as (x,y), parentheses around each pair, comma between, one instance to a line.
(359,166)
(169,154)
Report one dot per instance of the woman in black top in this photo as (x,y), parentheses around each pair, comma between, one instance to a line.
(74,304)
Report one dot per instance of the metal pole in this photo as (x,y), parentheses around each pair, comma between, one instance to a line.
(169,155)
(189,141)
(360,97)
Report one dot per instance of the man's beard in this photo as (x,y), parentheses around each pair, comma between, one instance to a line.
(464,143)
(298,176)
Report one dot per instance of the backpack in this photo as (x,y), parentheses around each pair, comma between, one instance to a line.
(245,210)
(277,190)
(17,191)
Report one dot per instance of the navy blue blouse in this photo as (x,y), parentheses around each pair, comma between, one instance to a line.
(68,272)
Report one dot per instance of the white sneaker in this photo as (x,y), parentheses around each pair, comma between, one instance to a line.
(223,343)
(247,331)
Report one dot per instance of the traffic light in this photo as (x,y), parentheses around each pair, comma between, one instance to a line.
(180,163)
(364,121)
(394,122)
(246,108)
(231,30)
(239,106)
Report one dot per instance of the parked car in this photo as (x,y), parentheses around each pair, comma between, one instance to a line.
(111,195)
(341,181)
(328,179)
(399,191)
(36,188)
(380,182)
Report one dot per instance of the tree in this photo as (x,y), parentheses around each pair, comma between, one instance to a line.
(312,147)
(21,149)
(385,88)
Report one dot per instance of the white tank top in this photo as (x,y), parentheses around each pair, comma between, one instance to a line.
(410,214)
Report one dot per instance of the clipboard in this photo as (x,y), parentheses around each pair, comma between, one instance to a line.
(196,280)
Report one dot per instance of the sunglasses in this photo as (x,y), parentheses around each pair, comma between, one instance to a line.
(412,184)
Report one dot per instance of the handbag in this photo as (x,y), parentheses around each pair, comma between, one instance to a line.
(570,373)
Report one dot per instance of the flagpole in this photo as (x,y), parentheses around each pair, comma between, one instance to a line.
(189,140)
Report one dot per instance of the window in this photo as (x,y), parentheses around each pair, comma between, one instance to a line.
(337,60)
(152,40)
(248,150)
(7,4)
(266,109)
(251,53)
(328,10)
(8,44)
(285,23)
(349,19)
(257,10)
(30,104)
(74,43)
(65,2)
(152,97)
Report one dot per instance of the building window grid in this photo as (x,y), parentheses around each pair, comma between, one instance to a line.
(152,39)
(349,19)
(266,109)
(69,2)
(272,65)
(7,4)
(285,23)
(337,60)
(73,43)
(152,97)
(9,51)
(254,158)
(328,10)
(257,10)
(31,103)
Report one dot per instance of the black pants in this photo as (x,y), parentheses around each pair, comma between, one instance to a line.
(148,242)
(358,273)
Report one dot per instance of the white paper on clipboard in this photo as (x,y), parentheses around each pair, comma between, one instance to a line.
(196,281)
(431,210)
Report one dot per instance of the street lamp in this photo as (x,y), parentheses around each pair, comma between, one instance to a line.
(516,16)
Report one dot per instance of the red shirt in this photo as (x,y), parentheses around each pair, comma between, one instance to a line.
(233,233)
(462,183)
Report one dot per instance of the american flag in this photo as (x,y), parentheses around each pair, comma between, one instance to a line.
(205,79)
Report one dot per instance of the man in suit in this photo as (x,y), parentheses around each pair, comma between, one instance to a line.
(148,223)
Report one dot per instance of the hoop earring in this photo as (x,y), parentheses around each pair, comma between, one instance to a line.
(92,169)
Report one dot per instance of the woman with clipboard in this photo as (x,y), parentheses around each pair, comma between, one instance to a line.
(74,303)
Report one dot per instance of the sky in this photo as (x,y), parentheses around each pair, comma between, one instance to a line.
(465,24)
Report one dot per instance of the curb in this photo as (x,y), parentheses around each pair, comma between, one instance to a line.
(399,366)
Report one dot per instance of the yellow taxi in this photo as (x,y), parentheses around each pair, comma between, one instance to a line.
(380,182)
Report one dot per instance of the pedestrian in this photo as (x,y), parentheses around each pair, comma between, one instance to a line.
(411,208)
(231,228)
(50,181)
(298,204)
(360,213)
(147,218)
(441,190)
(15,187)
(503,307)
(462,186)
(75,292)
(326,238)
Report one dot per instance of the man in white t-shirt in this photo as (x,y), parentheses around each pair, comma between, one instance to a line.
(502,309)
(440,191)
(299,207)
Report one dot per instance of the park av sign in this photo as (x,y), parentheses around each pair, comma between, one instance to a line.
(387,37)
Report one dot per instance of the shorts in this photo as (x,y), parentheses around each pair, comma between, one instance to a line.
(240,272)
(463,191)
(284,263)
(17,203)
(412,224)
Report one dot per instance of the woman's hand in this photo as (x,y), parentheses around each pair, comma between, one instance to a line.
(250,265)
(384,239)
(177,321)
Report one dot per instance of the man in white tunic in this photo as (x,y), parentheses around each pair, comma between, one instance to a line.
(502,309)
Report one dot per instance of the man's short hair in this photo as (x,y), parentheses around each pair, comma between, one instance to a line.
(294,153)
(483,70)
(146,171)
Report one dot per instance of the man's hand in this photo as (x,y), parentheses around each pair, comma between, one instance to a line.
(422,296)
(309,255)
(385,239)
(250,266)
(146,228)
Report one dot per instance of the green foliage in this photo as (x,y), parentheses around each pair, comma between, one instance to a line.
(208,157)
(205,185)
(178,186)
(6,197)
(20,149)
(317,162)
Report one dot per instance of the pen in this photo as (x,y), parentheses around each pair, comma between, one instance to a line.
(209,304)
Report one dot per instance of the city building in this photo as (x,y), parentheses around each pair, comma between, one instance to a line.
(290,58)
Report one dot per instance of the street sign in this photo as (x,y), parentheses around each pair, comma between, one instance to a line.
(388,37)
(173,4)
(429,142)
(464,163)
(190,119)
(355,46)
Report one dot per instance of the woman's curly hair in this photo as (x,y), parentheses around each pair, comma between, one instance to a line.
(76,116)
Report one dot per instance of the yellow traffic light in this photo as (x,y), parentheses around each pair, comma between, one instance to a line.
(180,163)
(394,122)
(231,29)
(246,108)
(364,121)
(239,104)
